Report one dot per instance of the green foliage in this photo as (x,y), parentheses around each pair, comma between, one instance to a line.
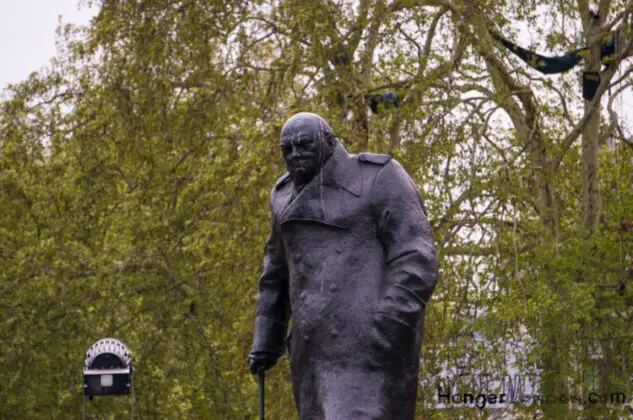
(135,175)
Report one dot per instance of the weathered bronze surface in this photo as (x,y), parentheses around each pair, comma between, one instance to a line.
(351,260)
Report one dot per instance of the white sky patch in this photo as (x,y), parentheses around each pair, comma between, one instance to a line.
(27,34)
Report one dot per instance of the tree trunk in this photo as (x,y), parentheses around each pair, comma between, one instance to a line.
(590,139)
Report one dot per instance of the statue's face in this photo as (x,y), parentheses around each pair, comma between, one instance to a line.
(304,146)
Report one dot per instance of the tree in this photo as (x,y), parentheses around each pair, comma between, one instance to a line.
(136,173)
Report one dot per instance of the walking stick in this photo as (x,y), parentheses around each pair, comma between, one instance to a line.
(261,374)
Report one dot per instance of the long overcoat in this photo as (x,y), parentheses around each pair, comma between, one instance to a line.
(351,260)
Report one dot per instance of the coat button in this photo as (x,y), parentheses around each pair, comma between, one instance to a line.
(306,338)
(333,287)
(333,332)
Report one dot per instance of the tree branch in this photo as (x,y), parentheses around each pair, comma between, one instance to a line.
(356,31)
(605,81)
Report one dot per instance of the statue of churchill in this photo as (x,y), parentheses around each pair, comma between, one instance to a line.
(351,259)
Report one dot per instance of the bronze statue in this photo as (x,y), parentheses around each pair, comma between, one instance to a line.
(351,259)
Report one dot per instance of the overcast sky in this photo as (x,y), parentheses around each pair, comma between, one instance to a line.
(27,34)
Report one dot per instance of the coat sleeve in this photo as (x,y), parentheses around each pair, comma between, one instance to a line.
(408,245)
(273,301)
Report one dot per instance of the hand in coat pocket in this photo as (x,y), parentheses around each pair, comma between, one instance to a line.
(392,340)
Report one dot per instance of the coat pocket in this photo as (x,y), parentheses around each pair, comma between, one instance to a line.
(394,342)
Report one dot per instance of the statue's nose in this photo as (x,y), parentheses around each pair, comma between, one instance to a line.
(296,152)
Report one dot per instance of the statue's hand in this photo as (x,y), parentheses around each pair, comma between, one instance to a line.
(260,360)
(391,339)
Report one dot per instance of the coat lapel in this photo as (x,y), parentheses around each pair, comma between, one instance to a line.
(321,201)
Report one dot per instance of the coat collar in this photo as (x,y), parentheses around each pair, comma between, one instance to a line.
(321,200)
(341,169)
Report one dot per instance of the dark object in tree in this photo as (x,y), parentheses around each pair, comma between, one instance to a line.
(351,257)
(609,48)
(590,83)
(560,64)
(546,65)
(388,100)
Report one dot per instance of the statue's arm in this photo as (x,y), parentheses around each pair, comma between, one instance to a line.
(408,243)
(273,301)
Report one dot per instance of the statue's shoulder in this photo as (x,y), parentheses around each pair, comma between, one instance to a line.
(375,158)
(282,181)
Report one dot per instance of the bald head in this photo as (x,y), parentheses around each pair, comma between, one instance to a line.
(306,122)
(306,143)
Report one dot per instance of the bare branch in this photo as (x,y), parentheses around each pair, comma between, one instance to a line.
(356,31)
(394,131)
(615,123)
(429,38)
(617,18)
(378,17)
(563,101)
(474,251)
(403,4)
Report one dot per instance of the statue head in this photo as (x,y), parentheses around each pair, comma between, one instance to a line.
(307,141)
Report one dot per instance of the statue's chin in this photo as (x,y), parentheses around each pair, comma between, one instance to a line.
(301,176)
(301,171)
